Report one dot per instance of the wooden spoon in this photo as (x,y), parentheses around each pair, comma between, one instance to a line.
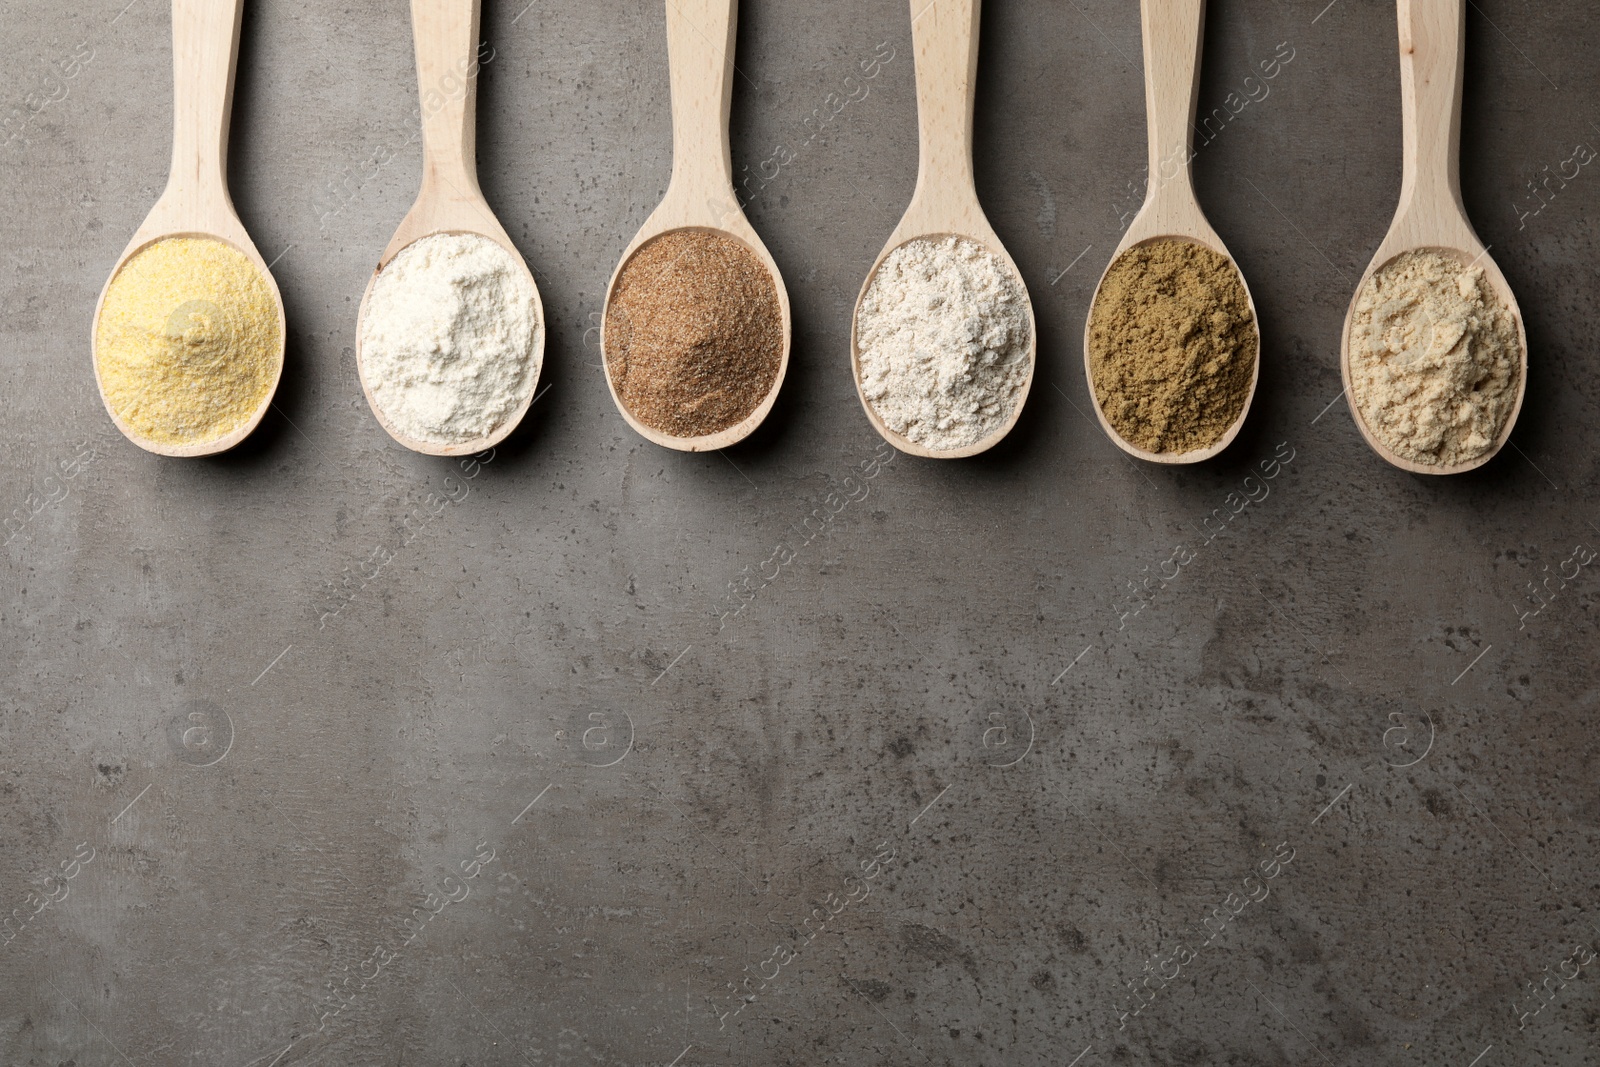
(700,49)
(1173,34)
(446,34)
(196,203)
(1431,216)
(945,204)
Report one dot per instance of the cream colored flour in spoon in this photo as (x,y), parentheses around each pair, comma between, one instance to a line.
(1434,359)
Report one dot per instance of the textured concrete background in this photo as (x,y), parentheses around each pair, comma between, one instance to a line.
(358,757)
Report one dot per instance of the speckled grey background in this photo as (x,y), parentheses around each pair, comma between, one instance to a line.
(940,788)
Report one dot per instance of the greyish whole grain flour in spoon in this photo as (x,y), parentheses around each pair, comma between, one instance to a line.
(944,338)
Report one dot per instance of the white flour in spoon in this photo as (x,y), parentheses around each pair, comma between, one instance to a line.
(448,340)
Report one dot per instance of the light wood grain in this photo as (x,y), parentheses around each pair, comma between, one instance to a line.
(700,196)
(1431,215)
(445,33)
(196,202)
(1173,34)
(945,203)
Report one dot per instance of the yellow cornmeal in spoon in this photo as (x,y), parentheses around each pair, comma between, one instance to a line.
(187,343)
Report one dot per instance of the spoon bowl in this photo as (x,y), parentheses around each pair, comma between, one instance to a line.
(196,202)
(1431,216)
(450,201)
(1173,32)
(945,203)
(700,197)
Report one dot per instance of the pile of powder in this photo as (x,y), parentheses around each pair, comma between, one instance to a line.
(943,337)
(188,344)
(1434,359)
(1172,346)
(694,333)
(448,339)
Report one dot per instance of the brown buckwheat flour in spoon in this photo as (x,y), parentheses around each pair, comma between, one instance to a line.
(694,333)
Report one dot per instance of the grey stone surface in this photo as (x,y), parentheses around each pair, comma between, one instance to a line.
(942,725)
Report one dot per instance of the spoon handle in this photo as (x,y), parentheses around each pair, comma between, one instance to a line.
(1431,68)
(1173,31)
(944,34)
(700,47)
(446,34)
(205,49)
